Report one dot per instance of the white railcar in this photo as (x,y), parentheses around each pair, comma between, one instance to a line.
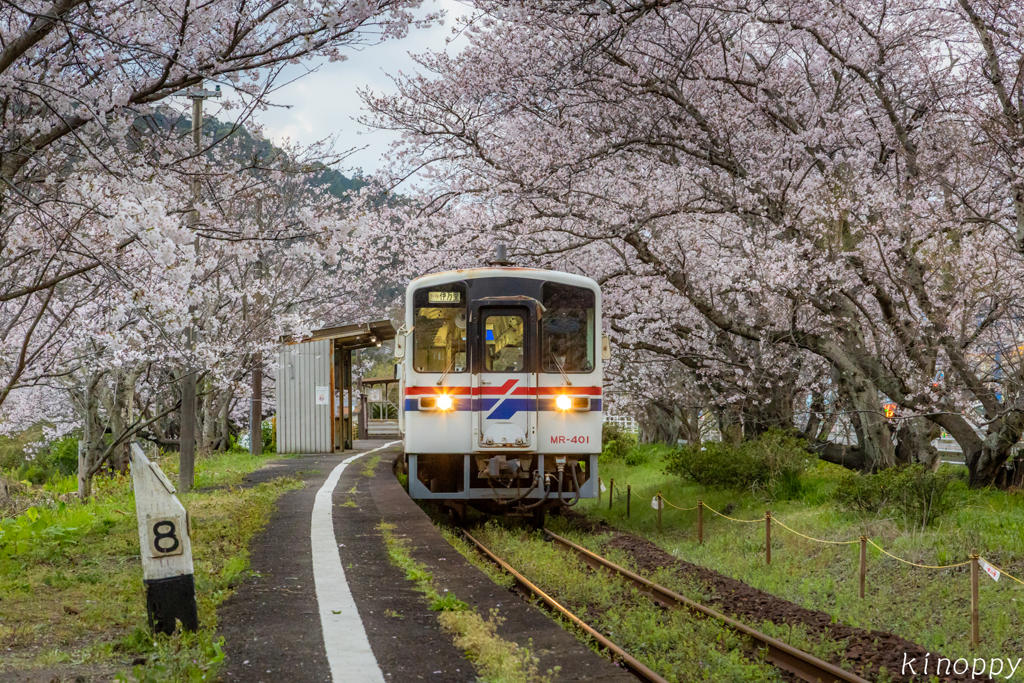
(501,386)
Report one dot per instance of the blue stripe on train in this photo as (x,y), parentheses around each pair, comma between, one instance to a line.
(503,408)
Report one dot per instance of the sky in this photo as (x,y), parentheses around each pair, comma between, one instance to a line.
(323,97)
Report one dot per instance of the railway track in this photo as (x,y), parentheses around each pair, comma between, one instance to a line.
(801,664)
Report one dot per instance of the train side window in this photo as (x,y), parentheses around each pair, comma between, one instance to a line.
(567,331)
(439,332)
(504,343)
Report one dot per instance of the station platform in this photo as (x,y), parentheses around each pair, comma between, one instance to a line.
(274,624)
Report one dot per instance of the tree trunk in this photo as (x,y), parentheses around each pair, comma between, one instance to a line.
(986,465)
(986,457)
(874,434)
(209,411)
(825,430)
(730,426)
(814,418)
(225,422)
(775,410)
(850,457)
(659,423)
(691,426)
(914,438)
(88,406)
(120,406)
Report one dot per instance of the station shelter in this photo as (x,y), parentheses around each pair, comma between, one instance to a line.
(314,386)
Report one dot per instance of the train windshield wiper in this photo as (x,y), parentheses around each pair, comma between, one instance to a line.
(560,369)
(446,370)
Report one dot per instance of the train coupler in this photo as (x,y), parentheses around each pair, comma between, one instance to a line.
(501,467)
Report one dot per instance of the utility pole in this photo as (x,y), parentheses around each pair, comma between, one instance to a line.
(256,401)
(256,421)
(187,441)
(256,404)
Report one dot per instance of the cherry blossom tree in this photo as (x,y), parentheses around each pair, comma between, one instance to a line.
(114,229)
(76,79)
(806,192)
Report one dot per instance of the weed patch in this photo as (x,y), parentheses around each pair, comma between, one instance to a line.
(671,642)
(497,660)
(71,581)
(919,495)
(370,465)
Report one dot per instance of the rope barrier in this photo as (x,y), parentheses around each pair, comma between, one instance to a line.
(914,564)
(975,560)
(811,538)
(822,540)
(743,521)
(665,501)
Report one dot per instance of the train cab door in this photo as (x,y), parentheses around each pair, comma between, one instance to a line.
(504,383)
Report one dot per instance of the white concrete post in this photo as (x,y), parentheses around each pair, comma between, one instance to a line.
(166,548)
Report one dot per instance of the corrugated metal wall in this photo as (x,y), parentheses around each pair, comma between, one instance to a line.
(302,425)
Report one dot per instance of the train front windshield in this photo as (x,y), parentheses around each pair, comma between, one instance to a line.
(567,329)
(439,330)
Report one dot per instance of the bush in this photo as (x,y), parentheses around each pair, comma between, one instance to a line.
(917,494)
(64,455)
(862,493)
(617,444)
(773,463)
(639,455)
(55,460)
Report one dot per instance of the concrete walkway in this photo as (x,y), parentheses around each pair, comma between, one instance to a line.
(272,624)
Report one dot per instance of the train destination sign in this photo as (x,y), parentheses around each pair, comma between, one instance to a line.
(444,297)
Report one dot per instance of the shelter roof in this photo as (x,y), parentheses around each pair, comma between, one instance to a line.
(355,335)
(378,380)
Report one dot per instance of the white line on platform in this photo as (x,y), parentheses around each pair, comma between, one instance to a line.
(348,649)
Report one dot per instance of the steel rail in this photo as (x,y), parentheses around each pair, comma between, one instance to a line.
(805,666)
(628,661)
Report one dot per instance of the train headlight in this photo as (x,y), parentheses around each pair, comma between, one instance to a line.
(444,402)
(563,403)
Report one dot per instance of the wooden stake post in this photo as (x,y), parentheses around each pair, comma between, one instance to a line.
(599,489)
(629,493)
(166,548)
(863,563)
(700,522)
(661,504)
(611,492)
(768,537)
(975,630)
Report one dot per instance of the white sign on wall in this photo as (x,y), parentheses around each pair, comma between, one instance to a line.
(375,395)
(321,395)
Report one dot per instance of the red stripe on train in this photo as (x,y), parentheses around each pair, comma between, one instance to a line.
(503,390)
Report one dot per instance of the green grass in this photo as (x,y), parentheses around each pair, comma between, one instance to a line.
(72,596)
(930,607)
(495,574)
(673,643)
(497,660)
